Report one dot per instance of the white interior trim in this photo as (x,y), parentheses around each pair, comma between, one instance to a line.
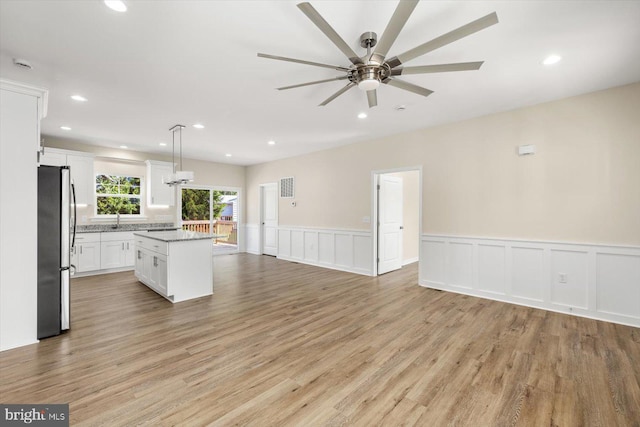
(589,280)
(374,211)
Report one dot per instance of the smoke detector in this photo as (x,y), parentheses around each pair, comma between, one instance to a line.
(22,63)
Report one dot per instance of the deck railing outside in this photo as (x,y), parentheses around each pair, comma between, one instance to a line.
(228,228)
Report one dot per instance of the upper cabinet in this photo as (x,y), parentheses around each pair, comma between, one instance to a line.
(81,168)
(159,193)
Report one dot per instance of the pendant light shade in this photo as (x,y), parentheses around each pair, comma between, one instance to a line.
(178,177)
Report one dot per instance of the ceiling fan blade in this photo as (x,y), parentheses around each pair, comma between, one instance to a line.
(313,83)
(445,39)
(300,61)
(328,31)
(372,98)
(395,25)
(337,94)
(408,86)
(439,68)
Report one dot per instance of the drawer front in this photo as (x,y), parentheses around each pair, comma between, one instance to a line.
(159,247)
(87,238)
(152,245)
(116,236)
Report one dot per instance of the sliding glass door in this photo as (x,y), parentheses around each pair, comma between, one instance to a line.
(212,210)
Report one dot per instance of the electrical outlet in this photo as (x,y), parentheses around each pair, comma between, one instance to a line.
(562,277)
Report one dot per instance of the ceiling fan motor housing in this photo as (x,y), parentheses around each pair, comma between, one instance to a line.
(368,39)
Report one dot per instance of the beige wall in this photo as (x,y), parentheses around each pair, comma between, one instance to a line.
(582,185)
(126,161)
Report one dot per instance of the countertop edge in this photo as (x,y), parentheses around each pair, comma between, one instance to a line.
(153,236)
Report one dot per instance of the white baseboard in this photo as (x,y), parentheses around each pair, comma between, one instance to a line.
(589,280)
(410,261)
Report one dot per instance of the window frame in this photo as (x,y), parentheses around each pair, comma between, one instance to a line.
(129,196)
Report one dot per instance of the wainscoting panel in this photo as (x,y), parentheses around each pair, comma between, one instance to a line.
(326,248)
(252,238)
(527,273)
(492,269)
(311,246)
(618,275)
(460,265)
(284,242)
(569,277)
(346,250)
(589,280)
(432,262)
(297,245)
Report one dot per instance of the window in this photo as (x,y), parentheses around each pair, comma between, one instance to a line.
(117,194)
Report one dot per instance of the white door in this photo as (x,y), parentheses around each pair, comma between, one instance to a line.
(390,219)
(269,219)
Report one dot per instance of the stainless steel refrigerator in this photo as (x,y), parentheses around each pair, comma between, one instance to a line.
(56,238)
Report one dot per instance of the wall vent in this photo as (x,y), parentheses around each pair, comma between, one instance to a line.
(286,187)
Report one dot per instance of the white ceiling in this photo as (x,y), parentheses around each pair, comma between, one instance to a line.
(167,62)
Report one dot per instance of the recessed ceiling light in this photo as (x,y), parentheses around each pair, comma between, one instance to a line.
(65,128)
(163,144)
(198,126)
(362,115)
(552,59)
(272,142)
(116,5)
(124,147)
(79,98)
(400,107)
(227,155)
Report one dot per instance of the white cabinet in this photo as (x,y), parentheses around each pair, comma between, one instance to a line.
(86,253)
(151,269)
(21,108)
(116,250)
(81,167)
(157,272)
(83,178)
(159,193)
(52,158)
(178,270)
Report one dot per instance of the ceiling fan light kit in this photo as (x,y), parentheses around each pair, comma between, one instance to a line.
(371,70)
(178,177)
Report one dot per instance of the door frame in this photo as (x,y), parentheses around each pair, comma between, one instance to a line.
(374,211)
(211,188)
(260,223)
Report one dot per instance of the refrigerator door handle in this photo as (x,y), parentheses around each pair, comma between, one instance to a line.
(75,214)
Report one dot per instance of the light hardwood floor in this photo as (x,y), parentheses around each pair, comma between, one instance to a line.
(286,344)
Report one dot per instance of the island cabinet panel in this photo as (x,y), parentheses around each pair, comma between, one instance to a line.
(177,265)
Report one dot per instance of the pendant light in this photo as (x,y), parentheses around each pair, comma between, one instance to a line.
(178,176)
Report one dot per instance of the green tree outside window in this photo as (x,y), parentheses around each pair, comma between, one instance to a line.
(117,194)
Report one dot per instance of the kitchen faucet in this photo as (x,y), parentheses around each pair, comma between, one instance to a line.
(117,221)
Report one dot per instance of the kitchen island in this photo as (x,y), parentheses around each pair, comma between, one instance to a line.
(177,264)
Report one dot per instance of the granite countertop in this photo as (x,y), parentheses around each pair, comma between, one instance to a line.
(108,228)
(177,235)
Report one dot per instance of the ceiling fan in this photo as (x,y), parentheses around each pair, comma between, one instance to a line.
(368,71)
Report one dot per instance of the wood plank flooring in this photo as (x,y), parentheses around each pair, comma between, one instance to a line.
(283,344)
